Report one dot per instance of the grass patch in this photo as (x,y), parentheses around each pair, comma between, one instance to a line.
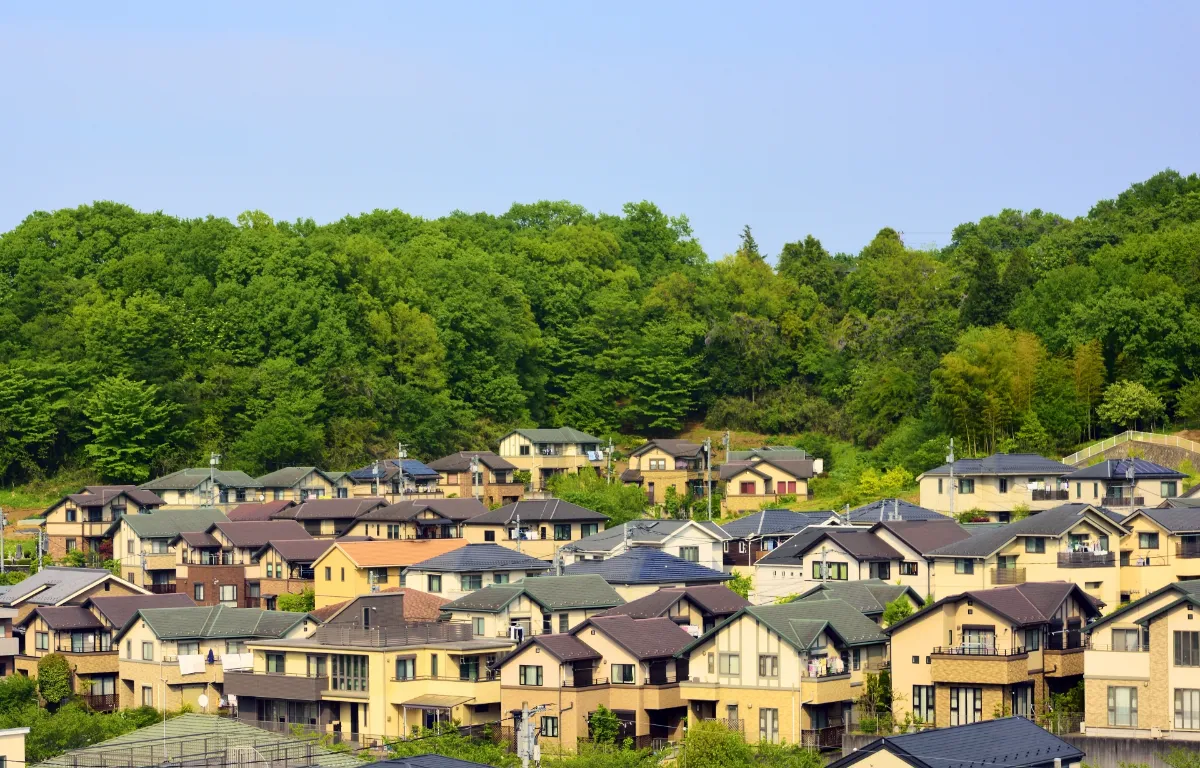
(34,497)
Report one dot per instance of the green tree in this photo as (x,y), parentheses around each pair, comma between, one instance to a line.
(712,744)
(1187,402)
(605,726)
(128,425)
(896,610)
(1032,436)
(301,602)
(741,584)
(985,303)
(1128,405)
(1089,372)
(587,489)
(54,678)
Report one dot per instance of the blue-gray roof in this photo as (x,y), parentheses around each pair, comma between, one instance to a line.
(1117,469)
(639,532)
(1012,742)
(388,467)
(1052,522)
(481,557)
(774,521)
(644,565)
(892,509)
(1005,464)
(53,584)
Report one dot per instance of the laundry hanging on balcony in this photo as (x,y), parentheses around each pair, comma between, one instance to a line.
(191,664)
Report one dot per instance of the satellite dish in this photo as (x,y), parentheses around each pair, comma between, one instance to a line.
(202,700)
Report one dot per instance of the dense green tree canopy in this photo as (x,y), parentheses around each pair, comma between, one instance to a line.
(134,343)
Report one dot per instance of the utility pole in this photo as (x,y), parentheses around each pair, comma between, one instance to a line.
(214,459)
(401,455)
(708,473)
(474,469)
(527,748)
(518,530)
(608,470)
(950,461)
(824,565)
(725,441)
(3,522)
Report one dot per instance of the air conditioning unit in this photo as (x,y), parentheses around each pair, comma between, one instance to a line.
(516,633)
(695,679)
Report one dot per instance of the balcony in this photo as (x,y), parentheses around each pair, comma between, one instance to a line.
(161,589)
(826,688)
(979,664)
(823,738)
(1008,575)
(102,702)
(1050,495)
(1086,559)
(1187,549)
(156,561)
(408,634)
(1123,501)
(9,646)
(976,650)
(267,685)
(585,681)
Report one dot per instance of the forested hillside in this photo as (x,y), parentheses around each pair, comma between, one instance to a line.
(132,343)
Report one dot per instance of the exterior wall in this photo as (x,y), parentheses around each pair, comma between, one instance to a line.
(311,486)
(453,586)
(987,495)
(200,496)
(212,577)
(1152,569)
(497,489)
(131,561)
(736,501)
(85,534)
(676,475)
(570,459)
(922,582)
(12,746)
(545,547)
(526,612)
(345,579)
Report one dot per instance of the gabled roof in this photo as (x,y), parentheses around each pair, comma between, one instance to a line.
(461,462)
(118,609)
(887,509)
(256,533)
(187,479)
(566,648)
(1052,522)
(1033,602)
(1183,502)
(394,552)
(169,523)
(289,476)
(538,511)
(1012,742)
(1175,520)
(551,592)
(296,550)
(258,511)
(481,557)
(386,469)
(799,623)
(771,451)
(1004,464)
(860,543)
(418,606)
(427,761)
(647,532)
(555,435)
(925,535)
(1189,588)
(801,469)
(99,495)
(54,584)
(1117,469)
(643,565)
(870,596)
(332,509)
(685,449)
(216,622)
(712,600)
(652,638)
(66,617)
(450,509)
(771,522)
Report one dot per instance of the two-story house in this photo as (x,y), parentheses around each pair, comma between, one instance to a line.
(786,672)
(544,453)
(418,519)
(661,464)
(818,554)
(285,567)
(625,664)
(82,521)
(371,675)
(869,597)
(298,484)
(1075,541)
(205,487)
(694,540)
(168,657)
(352,568)
(642,570)
(696,609)
(217,566)
(1162,546)
(989,653)
(463,570)
(916,540)
(62,585)
(545,605)
(765,476)
(753,536)
(393,480)
(1124,484)
(143,543)
(480,475)
(996,485)
(255,511)
(10,644)
(330,518)
(537,527)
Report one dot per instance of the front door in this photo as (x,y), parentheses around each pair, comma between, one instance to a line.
(650,492)
(353,719)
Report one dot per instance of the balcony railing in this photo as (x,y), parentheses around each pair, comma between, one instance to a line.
(1086,559)
(976,650)
(102,702)
(208,558)
(408,634)
(1123,501)
(1050,495)
(1008,575)
(1065,641)
(1122,648)
(823,738)
(660,680)
(161,589)
(585,682)
(482,676)
(820,674)
(1187,549)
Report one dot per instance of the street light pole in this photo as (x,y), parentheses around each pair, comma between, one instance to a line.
(950,460)
(708,473)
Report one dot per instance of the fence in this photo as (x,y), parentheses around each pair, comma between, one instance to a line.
(1131,436)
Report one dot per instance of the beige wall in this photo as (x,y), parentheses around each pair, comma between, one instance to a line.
(541,548)
(454,584)
(12,746)
(313,482)
(735,500)
(526,612)
(987,495)
(569,460)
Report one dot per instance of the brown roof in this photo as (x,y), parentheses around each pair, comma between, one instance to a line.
(418,606)
(565,647)
(297,550)
(68,617)
(256,533)
(199,539)
(925,535)
(332,509)
(712,599)
(245,513)
(1029,603)
(372,554)
(461,462)
(451,509)
(119,609)
(801,469)
(675,448)
(98,495)
(644,638)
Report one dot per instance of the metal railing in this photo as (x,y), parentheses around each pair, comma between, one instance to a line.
(1187,550)
(483,676)
(67,647)
(823,738)
(976,650)
(660,680)
(1086,560)
(102,702)
(1008,575)
(407,634)
(161,589)
(1043,494)
(1125,437)
(588,682)
(1123,501)
(822,674)
(1136,648)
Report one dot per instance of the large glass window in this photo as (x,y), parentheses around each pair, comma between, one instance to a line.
(923,703)
(276,663)
(530,675)
(768,666)
(1187,649)
(549,726)
(1022,700)
(1035,546)
(477,627)
(908,568)
(406,668)
(833,571)
(1125,639)
(1033,639)
(691,554)
(434,583)
(472,582)
(623,674)
(1147,541)
(1122,706)
(468,668)
(768,725)
(730,664)
(1187,708)
(589,529)
(966,485)
(1168,489)
(964,565)
(966,705)
(562,531)
(349,673)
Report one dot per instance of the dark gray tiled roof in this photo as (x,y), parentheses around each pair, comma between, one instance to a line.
(1030,603)
(1177,520)
(557,435)
(801,469)
(869,596)
(296,550)
(1190,589)
(638,532)
(925,535)
(1005,464)
(1116,469)
(67,617)
(451,509)
(99,495)
(256,533)
(169,523)
(556,592)
(859,542)
(774,521)
(481,557)
(1052,522)
(886,509)
(776,451)
(1012,742)
(563,647)
(538,511)
(332,509)
(461,462)
(53,584)
(1182,502)
(118,609)
(651,638)
(266,510)
(712,599)
(644,565)
(289,476)
(675,448)
(187,479)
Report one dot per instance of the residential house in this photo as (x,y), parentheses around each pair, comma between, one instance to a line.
(1162,546)
(394,480)
(641,571)
(81,521)
(788,672)
(83,634)
(416,608)
(1014,742)
(544,453)
(889,509)
(330,518)
(1075,541)
(1142,668)
(755,535)
(820,554)
(659,465)
(533,606)
(62,585)
(985,653)
(12,746)
(696,609)
(169,657)
(463,570)
(785,452)
(371,675)
(693,540)
(10,643)
(285,567)
(217,566)
(765,477)
(537,527)
(625,664)
(996,485)
(916,540)
(258,511)
(143,543)
(352,568)
(418,519)
(299,484)
(491,482)
(205,487)
(869,597)
(1128,483)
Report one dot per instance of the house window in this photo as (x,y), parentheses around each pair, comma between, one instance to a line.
(393,531)
(328,573)
(923,699)
(343,574)
(1035,546)
(564,622)
(939,486)
(768,666)
(622,674)
(349,673)
(187,648)
(1004,485)
(147,651)
(1125,639)
(966,485)
(524,450)
(834,571)
(547,625)
(658,465)
(530,675)
(472,582)
(746,487)
(589,529)
(477,627)
(966,705)
(1147,541)
(964,565)
(741,547)
(883,571)
(489,535)
(435,583)
(730,664)
(42,641)
(1122,706)
(549,726)
(235,646)
(70,545)
(562,531)
(229,595)
(276,664)
(908,568)
(1187,649)
(72,516)
(406,668)
(1187,708)
(768,725)
(691,554)
(147,696)
(1168,489)
(499,578)
(468,668)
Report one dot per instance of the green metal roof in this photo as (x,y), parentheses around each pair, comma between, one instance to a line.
(554,592)
(169,523)
(799,623)
(289,476)
(217,622)
(187,479)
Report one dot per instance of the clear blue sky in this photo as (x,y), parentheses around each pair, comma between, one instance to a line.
(834,119)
